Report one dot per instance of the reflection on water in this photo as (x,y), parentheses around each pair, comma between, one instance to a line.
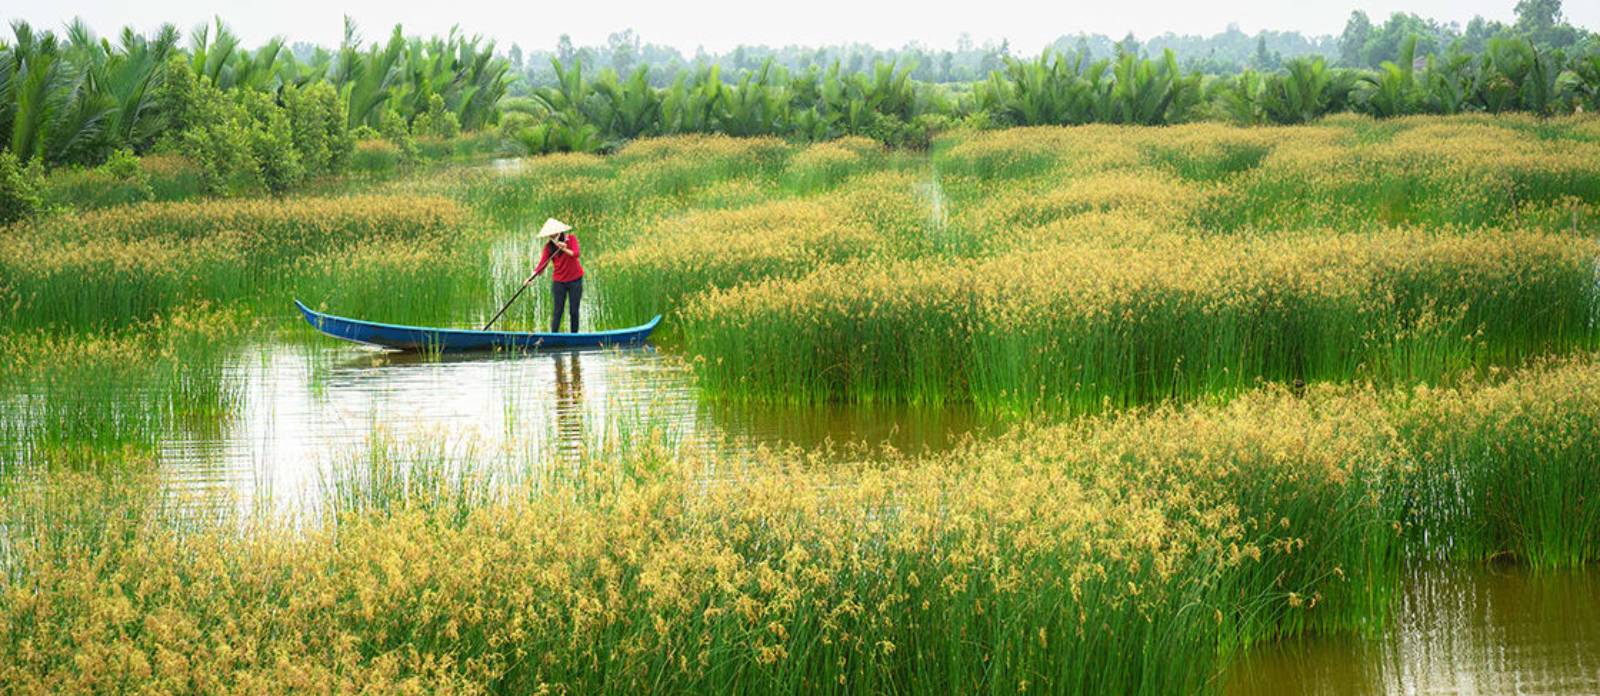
(569,435)
(507,166)
(306,408)
(1456,631)
(839,427)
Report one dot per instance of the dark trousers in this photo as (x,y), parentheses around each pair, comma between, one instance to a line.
(566,295)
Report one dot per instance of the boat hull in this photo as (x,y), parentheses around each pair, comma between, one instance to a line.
(422,338)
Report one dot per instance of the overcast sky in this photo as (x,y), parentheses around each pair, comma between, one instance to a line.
(719,25)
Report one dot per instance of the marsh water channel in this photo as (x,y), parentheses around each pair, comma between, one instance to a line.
(308,411)
(1498,630)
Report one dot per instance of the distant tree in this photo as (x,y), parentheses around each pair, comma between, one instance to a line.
(624,46)
(1536,17)
(1386,40)
(1478,33)
(1263,58)
(1129,45)
(994,57)
(1353,42)
(564,50)
(1232,47)
(515,56)
(1542,22)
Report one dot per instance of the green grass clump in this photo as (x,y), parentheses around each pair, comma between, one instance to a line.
(1509,472)
(80,400)
(1219,161)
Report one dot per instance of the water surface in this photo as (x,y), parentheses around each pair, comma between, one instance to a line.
(1457,630)
(306,408)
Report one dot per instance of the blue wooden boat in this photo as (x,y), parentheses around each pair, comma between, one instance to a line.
(450,340)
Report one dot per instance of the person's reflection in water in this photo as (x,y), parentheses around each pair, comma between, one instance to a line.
(569,406)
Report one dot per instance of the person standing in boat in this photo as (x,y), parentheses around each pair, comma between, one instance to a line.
(566,288)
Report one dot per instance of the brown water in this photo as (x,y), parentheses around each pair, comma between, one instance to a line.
(305,409)
(1456,631)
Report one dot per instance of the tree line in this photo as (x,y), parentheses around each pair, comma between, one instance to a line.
(274,115)
(263,117)
(1364,43)
(578,114)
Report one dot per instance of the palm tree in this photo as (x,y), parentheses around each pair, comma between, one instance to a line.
(689,104)
(634,106)
(130,76)
(34,90)
(209,54)
(757,105)
(1148,92)
(1242,98)
(1514,75)
(1447,82)
(1581,82)
(479,84)
(258,71)
(1392,90)
(366,78)
(1301,94)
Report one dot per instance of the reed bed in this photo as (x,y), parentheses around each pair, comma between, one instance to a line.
(1143,200)
(155,178)
(1347,172)
(75,400)
(823,166)
(1097,325)
(1462,173)
(784,238)
(1511,470)
(978,269)
(1130,553)
(676,167)
(117,266)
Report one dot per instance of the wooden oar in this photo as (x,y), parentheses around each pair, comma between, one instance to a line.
(507,306)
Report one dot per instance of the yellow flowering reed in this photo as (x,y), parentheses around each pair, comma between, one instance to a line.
(1351,248)
(129,263)
(1088,324)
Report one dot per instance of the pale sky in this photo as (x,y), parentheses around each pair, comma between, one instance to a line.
(719,25)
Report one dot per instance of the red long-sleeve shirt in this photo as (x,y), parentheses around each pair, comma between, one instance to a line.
(567,268)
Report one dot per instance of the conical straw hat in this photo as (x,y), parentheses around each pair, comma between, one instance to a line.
(553,227)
